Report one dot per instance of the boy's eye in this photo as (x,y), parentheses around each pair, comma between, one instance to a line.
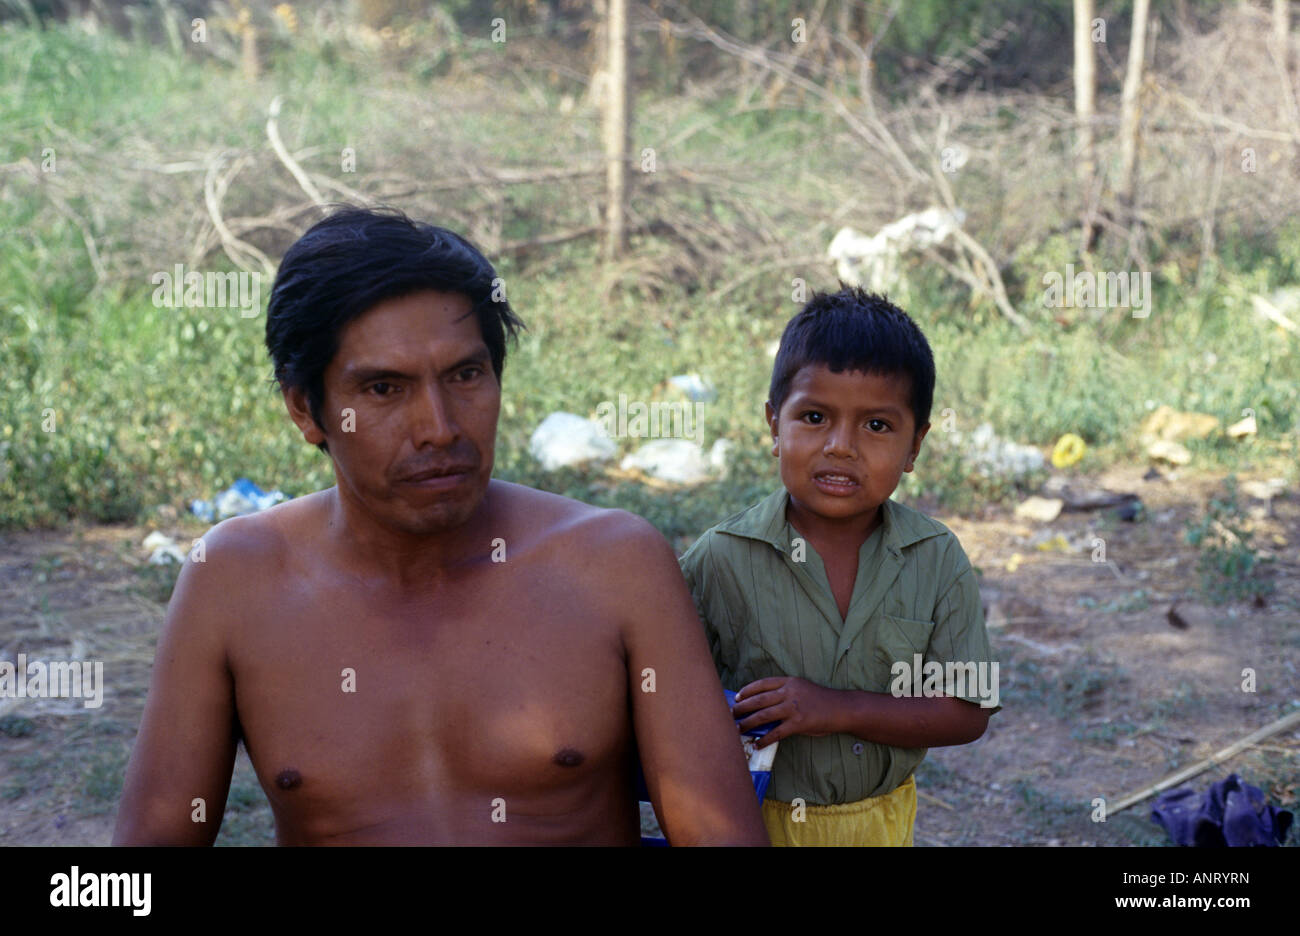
(813,417)
(877,425)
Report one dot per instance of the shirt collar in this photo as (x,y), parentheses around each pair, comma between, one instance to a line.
(765,521)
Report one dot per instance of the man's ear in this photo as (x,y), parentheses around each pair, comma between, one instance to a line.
(295,400)
(916,446)
(770,415)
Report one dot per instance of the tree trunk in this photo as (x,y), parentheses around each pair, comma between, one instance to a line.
(1282,31)
(250,63)
(616,131)
(1130,113)
(598,44)
(1085,91)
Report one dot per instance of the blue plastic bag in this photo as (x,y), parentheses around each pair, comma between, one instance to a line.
(760,761)
(242,497)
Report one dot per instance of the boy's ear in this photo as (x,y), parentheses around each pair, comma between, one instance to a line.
(770,415)
(916,446)
(295,401)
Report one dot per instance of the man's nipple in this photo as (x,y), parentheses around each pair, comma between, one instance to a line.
(288,779)
(568,757)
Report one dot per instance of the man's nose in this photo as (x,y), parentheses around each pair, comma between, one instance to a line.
(432,420)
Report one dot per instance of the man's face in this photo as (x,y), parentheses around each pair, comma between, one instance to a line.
(410,412)
(844,440)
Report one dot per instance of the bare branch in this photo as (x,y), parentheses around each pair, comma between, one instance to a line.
(273,134)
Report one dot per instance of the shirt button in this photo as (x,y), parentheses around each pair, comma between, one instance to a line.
(857,748)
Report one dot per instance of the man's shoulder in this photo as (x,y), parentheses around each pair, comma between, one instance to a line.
(234,568)
(265,539)
(575,528)
(272,528)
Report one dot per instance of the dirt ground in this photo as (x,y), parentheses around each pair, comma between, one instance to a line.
(1102,692)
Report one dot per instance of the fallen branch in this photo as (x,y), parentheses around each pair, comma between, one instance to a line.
(91,250)
(1273,314)
(995,288)
(1219,121)
(1272,728)
(273,134)
(546,240)
(758,270)
(930,797)
(214,190)
(872,130)
(505,176)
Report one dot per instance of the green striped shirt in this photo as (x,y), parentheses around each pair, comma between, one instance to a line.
(767,614)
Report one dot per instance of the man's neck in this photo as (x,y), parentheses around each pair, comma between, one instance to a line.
(375,550)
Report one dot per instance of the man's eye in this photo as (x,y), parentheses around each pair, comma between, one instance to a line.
(470,373)
(381,388)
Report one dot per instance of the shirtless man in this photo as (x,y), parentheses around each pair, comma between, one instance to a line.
(422,654)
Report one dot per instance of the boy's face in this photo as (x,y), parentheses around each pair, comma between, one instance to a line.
(844,440)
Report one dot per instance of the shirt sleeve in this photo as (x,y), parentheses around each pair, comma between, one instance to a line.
(960,636)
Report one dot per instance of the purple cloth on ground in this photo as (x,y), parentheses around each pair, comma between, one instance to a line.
(1230,813)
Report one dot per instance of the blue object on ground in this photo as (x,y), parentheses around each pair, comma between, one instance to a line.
(242,497)
(1230,813)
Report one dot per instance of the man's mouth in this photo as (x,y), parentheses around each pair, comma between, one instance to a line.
(438,478)
(836,483)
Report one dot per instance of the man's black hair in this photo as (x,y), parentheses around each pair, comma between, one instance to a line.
(351,261)
(855,330)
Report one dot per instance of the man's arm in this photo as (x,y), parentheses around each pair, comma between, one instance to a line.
(689,746)
(185,750)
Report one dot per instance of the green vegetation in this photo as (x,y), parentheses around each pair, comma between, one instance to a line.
(111,406)
(15,726)
(1230,564)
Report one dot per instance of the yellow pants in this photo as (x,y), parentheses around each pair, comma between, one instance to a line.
(877,820)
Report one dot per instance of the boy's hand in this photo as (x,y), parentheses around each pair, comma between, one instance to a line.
(800,706)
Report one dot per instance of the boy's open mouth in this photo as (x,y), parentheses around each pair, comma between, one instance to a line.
(835,483)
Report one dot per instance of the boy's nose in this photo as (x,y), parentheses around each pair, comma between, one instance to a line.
(839,442)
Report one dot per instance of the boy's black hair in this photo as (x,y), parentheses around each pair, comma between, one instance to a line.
(354,259)
(855,330)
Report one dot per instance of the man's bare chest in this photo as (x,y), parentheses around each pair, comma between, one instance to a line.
(350,697)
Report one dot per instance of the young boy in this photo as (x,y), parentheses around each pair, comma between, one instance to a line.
(821,601)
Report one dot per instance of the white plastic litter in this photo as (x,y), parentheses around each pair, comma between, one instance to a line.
(992,456)
(164,549)
(565,439)
(873,261)
(695,388)
(679,461)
